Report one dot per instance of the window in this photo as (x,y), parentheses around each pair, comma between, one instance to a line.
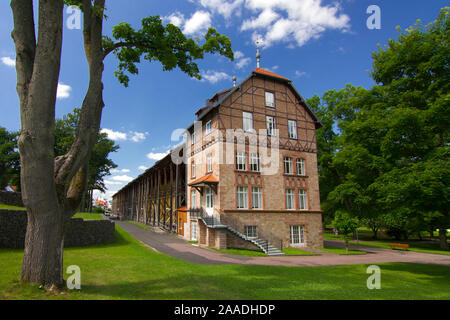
(251,231)
(256,198)
(193,199)
(270,100)
(297,235)
(270,124)
(193,137)
(208,127)
(300,167)
(242,202)
(247,119)
(194,231)
(255,162)
(193,169)
(209,163)
(290,204)
(288,169)
(302,201)
(292,127)
(241,161)
(209,198)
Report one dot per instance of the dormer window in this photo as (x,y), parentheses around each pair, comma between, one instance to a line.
(270,99)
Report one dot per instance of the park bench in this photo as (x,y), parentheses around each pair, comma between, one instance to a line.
(401,246)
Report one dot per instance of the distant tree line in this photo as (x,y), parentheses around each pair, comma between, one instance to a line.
(100,164)
(384,152)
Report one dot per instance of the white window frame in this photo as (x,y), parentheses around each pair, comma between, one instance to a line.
(241,161)
(257,198)
(242,197)
(290,199)
(194,234)
(255,162)
(300,163)
(292,129)
(302,199)
(193,199)
(209,163)
(271,126)
(251,232)
(247,121)
(288,165)
(193,169)
(209,198)
(297,235)
(270,99)
(193,138)
(208,127)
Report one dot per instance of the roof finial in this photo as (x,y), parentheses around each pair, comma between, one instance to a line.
(258,54)
(234,81)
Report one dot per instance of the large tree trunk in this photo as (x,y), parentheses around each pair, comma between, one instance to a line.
(52,188)
(43,255)
(37,80)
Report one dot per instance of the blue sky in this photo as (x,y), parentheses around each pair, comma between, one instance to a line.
(320,45)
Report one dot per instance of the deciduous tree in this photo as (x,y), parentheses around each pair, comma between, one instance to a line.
(52,187)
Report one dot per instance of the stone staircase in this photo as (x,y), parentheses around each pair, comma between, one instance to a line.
(263,244)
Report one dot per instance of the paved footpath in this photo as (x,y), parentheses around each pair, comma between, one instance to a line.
(176,247)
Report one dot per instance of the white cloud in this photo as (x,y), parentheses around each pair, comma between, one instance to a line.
(291,21)
(243,62)
(122,136)
(299,73)
(143,168)
(120,170)
(225,8)
(265,18)
(114,135)
(138,136)
(298,21)
(215,76)
(156,156)
(238,54)
(7,61)
(175,18)
(199,22)
(123,178)
(108,182)
(63,91)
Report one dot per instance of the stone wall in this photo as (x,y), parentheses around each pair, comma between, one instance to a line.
(79,232)
(11,198)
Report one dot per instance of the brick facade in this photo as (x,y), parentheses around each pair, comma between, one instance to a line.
(274,219)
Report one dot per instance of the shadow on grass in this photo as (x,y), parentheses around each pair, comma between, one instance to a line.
(399,281)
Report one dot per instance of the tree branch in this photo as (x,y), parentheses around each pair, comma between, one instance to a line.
(25,42)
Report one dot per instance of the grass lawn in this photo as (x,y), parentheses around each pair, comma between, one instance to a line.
(242,252)
(298,252)
(8,207)
(128,270)
(89,216)
(341,250)
(139,224)
(414,245)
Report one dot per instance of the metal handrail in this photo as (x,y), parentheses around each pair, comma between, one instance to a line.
(267,236)
(262,234)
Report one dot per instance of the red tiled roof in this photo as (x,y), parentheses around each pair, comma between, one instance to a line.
(209,178)
(268,73)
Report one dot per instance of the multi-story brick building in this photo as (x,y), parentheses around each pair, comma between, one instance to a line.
(241,187)
(251,171)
